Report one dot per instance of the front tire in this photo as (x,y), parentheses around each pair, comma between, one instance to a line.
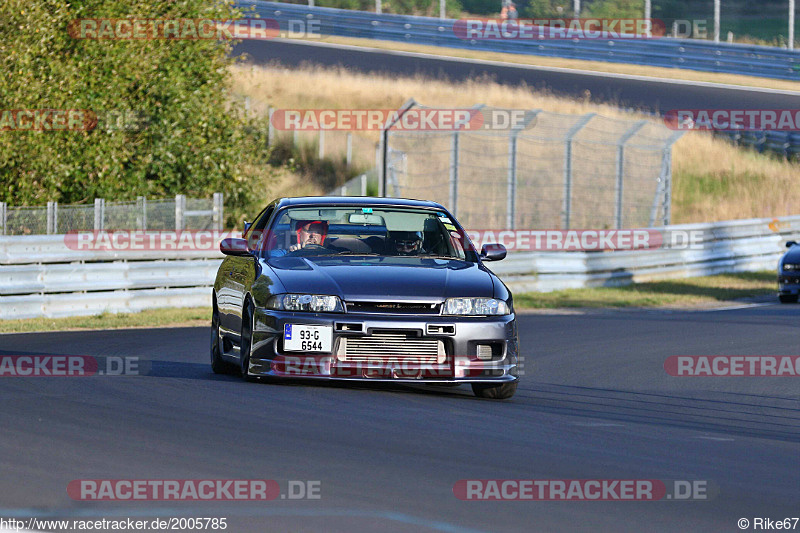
(788,298)
(218,364)
(502,391)
(246,339)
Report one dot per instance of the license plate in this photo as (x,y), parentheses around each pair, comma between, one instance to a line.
(303,338)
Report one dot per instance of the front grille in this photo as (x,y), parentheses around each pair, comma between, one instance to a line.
(404,308)
(388,346)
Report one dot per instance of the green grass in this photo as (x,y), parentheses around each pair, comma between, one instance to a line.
(195,316)
(690,292)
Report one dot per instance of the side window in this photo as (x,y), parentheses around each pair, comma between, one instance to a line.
(255,233)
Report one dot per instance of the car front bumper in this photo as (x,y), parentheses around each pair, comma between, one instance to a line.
(459,364)
(789,284)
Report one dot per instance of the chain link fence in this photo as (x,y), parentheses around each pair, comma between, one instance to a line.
(550,170)
(180,213)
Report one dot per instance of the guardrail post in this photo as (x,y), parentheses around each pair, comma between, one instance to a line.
(99,214)
(270,128)
(180,208)
(567,201)
(621,169)
(321,143)
(349,154)
(453,200)
(3,217)
(218,221)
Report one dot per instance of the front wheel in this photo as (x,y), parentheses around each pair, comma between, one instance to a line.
(502,391)
(788,298)
(246,341)
(218,364)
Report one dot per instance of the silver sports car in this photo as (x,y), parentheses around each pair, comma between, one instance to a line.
(369,289)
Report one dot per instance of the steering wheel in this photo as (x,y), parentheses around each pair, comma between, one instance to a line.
(308,248)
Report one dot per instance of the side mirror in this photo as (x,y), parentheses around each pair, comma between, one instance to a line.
(790,244)
(234,246)
(246,227)
(493,252)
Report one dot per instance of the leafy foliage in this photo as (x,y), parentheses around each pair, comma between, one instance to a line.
(166,123)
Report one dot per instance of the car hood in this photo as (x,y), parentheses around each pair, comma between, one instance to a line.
(383,278)
(792,255)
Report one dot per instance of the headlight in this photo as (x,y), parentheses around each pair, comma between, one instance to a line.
(315,303)
(791,266)
(475,306)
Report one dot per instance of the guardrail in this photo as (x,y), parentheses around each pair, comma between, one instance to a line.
(733,246)
(765,61)
(42,276)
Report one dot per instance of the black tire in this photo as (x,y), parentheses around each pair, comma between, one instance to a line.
(246,341)
(788,298)
(218,364)
(504,391)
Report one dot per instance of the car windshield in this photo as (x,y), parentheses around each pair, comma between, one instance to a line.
(366,231)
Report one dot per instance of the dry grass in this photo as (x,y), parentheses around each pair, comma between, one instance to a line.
(713,180)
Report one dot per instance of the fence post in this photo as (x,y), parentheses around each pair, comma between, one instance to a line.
(295,139)
(270,128)
(453,199)
(621,169)
(363,184)
(3,217)
(218,211)
(512,182)
(99,214)
(50,216)
(378,9)
(567,202)
(180,207)
(141,218)
(668,186)
(380,162)
(349,156)
(321,143)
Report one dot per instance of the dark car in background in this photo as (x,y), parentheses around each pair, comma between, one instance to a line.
(789,274)
(363,289)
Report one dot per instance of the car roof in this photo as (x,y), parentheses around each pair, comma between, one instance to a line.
(355,201)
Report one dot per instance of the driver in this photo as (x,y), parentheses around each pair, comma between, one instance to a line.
(310,232)
(407,242)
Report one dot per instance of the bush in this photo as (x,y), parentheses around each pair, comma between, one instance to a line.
(178,132)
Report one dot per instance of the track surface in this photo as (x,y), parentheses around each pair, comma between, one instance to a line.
(595,403)
(656,95)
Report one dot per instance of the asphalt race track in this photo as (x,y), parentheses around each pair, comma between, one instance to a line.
(595,403)
(652,95)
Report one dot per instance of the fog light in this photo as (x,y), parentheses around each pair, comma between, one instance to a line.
(484,352)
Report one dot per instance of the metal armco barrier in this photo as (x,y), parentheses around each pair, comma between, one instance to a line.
(41,276)
(765,61)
